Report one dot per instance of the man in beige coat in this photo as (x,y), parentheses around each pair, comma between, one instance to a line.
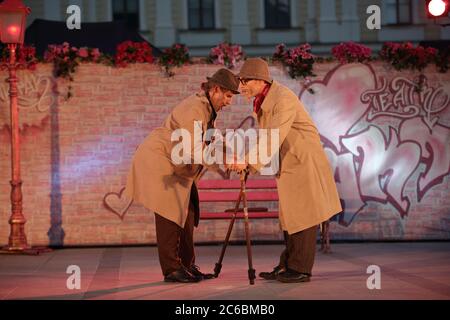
(306,187)
(167,187)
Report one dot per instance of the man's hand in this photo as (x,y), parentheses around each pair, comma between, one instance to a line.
(238,167)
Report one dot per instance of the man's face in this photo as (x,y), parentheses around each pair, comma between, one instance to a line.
(250,88)
(221,98)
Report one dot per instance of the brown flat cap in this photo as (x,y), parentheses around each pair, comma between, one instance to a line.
(255,68)
(225,79)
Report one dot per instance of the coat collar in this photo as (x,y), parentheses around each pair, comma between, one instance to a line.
(205,100)
(268,101)
(211,111)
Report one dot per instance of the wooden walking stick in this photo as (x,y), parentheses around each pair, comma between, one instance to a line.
(218,266)
(242,197)
(251,271)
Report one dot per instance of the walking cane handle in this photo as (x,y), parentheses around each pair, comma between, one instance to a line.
(244,174)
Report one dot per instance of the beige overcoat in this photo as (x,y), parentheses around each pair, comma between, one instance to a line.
(306,187)
(154,180)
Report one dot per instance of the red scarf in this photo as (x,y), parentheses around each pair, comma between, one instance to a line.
(259,99)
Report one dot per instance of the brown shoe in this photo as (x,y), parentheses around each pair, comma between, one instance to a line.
(195,271)
(181,275)
(272,275)
(291,276)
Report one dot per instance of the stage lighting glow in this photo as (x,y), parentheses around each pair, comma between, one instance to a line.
(437,7)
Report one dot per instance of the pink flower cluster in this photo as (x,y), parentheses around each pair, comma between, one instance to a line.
(133,52)
(302,52)
(26,57)
(226,54)
(349,52)
(66,58)
(65,52)
(298,60)
(405,55)
(175,56)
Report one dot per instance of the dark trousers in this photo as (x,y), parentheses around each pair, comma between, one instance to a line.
(300,251)
(175,244)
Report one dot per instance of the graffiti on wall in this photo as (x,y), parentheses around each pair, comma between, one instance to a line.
(381,135)
(36,95)
(388,139)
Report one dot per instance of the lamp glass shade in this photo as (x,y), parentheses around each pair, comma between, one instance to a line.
(12,22)
(12,27)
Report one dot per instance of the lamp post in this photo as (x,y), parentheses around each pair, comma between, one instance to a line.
(12,29)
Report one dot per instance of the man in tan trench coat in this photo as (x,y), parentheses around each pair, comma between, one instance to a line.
(167,187)
(306,187)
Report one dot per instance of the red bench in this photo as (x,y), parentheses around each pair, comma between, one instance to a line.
(257,191)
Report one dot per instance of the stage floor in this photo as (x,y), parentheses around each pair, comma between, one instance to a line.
(412,270)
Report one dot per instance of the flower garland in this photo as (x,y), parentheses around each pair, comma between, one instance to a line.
(66,59)
(226,54)
(175,56)
(299,60)
(133,52)
(26,57)
(405,56)
(350,52)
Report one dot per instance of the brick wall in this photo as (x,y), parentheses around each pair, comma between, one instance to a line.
(76,151)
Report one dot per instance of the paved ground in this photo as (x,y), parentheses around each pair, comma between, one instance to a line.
(418,270)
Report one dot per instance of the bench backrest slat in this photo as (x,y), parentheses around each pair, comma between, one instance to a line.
(232,196)
(236,184)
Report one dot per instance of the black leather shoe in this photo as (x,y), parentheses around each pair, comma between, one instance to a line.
(181,275)
(195,271)
(272,275)
(291,276)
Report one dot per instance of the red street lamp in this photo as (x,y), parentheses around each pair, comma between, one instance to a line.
(13,15)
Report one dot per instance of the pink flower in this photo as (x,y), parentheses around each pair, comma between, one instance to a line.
(95,54)
(432,51)
(406,56)
(65,47)
(220,59)
(48,56)
(226,54)
(129,51)
(299,61)
(83,53)
(351,52)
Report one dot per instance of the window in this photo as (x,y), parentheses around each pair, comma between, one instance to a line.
(128,11)
(399,12)
(277,14)
(201,14)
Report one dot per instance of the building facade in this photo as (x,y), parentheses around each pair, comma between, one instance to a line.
(258,25)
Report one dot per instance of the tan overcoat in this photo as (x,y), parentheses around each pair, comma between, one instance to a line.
(306,187)
(154,180)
